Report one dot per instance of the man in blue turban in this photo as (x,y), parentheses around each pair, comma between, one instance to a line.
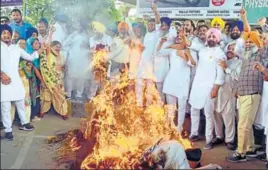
(165,23)
(236,29)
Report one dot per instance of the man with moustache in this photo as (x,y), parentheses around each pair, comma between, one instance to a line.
(249,90)
(18,24)
(208,79)
(226,100)
(145,72)
(12,89)
(161,61)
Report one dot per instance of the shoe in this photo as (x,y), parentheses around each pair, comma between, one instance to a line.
(236,157)
(208,146)
(9,136)
(231,146)
(1,126)
(64,117)
(27,127)
(251,154)
(36,119)
(194,138)
(217,141)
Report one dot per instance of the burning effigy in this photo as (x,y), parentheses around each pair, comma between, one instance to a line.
(120,135)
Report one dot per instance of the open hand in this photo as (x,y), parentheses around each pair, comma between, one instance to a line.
(154,7)
(262,21)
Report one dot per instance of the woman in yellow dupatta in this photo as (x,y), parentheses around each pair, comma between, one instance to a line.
(53,93)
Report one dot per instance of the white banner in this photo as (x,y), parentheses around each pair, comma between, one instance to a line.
(191,9)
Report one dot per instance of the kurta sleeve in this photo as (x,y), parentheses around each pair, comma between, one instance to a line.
(163,53)
(220,75)
(234,73)
(239,48)
(29,57)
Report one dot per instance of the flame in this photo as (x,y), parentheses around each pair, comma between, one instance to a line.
(122,130)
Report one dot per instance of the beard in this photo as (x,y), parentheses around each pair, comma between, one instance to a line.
(163,33)
(211,43)
(250,51)
(235,36)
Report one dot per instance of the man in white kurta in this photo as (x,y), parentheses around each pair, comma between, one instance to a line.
(161,61)
(226,101)
(78,58)
(177,83)
(145,72)
(12,89)
(209,77)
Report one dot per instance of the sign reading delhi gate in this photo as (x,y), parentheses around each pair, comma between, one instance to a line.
(192,9)
(6,3)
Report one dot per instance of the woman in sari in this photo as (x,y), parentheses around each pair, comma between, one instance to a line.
(52,66)
(35,79)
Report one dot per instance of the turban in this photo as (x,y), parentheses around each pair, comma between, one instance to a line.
(239,25)
(61,17)
(165,20)
(6,27)
(215,32)
(44,20)
(254,37)
(219,21)
(30,31)
(122,25)
(99,27)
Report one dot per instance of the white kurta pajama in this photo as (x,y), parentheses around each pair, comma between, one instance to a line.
(226,102)
(208,74)
(77,63)
(196,46)
(13,92)
(177,85)
(145,72)
(161,64)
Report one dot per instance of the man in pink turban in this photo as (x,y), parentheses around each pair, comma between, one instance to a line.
(209,80)
(215,36)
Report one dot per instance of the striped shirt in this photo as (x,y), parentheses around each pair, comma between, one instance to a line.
(250,80)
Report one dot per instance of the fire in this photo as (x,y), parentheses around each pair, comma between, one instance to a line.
(122,131)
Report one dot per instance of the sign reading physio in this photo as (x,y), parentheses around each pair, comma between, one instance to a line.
(5,3)
(256,9)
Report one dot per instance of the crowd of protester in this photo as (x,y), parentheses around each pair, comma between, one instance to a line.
(217,68)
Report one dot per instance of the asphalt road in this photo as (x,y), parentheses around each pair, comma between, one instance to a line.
(28,150)
(172,3)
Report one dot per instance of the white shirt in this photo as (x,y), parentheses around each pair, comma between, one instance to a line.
(146,65)
(208,74)
(161,61)
(120,52)
(105,40)
(10,58)
(59,34)
(177,81)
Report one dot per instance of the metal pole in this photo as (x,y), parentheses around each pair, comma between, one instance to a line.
(25,8)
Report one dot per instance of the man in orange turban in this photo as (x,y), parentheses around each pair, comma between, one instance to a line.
(249,91)
(123,29)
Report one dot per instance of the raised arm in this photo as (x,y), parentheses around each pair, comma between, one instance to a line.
(156,13)
(29,57)
(243,14)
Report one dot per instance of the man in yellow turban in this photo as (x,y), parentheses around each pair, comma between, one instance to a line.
(98,27)
(249,91)
(218,23)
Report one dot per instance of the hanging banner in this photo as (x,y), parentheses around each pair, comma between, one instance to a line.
(6,3)
(192,9)
(256,9)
